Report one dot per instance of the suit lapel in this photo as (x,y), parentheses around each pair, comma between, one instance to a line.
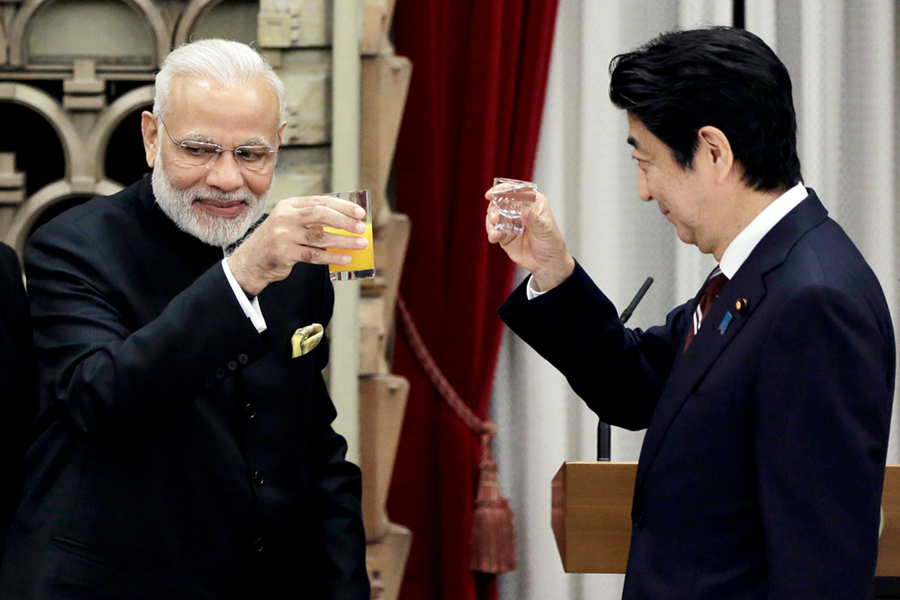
(719,329)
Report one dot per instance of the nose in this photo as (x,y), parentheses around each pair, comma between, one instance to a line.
(225,173)
(643,191)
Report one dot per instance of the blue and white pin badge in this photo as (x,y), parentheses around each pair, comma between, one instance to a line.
(726,320)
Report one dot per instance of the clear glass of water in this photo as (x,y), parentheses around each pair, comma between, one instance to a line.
(511,196)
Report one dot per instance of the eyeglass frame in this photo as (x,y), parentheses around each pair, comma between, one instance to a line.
(219,150)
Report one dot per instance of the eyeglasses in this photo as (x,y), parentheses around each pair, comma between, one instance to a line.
(258,159)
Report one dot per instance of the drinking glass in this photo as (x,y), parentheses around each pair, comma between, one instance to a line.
(362,264)
(511,196)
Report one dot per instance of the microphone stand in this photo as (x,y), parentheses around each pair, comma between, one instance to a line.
(603,431)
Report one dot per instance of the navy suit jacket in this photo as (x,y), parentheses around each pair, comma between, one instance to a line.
(761,471)
(181,454)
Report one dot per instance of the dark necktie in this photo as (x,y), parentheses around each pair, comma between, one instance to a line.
(714,285)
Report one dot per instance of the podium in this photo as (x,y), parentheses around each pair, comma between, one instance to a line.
(591,517)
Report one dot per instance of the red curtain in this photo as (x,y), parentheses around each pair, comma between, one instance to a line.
(474,111)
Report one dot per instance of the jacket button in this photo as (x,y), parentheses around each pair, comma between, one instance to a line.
(243,358)
(638,523)
(232,365)
(209,382)
(258,479)
(250,411)
(220,373)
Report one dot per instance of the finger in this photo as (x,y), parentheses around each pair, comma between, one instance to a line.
(314,214)
(319,256)
(493,213)
(541,204)
(492,234)
(492,217)
(320,238)
(345,207)
(506,238)
(532,220)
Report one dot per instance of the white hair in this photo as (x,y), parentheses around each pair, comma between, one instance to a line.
(225,62)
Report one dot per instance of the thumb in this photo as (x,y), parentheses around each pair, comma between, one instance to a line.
(534,222)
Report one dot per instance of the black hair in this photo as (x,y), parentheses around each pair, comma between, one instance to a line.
(720,76)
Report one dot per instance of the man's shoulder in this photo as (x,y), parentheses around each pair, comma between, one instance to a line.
(88,218)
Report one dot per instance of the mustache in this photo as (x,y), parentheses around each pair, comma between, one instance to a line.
(205,193)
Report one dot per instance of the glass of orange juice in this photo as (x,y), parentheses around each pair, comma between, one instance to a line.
(362,263)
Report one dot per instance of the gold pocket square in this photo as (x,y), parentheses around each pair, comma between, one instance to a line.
(305,339)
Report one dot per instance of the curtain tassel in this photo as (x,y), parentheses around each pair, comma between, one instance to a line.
(493,535)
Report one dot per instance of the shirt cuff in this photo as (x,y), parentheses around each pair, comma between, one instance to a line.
(532,290)
(251,309)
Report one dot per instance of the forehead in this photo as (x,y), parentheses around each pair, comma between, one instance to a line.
(201,105)
(640,137)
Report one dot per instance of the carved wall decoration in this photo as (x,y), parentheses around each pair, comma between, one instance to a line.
(147,10)
(45,105)
(4,44)
(193,13)
(294,23)
(95,147)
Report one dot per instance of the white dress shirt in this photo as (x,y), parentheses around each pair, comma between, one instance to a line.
(251,309)
(742,245)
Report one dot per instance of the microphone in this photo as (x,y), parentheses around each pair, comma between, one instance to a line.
(604,452)
(626,314)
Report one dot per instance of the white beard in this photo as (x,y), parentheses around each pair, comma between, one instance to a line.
(178,205)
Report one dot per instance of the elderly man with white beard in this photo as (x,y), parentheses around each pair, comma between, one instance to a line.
(182,450)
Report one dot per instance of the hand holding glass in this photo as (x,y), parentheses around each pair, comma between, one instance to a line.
(510,196)
(362,263)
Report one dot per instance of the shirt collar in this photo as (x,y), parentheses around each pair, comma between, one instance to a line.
(742,245)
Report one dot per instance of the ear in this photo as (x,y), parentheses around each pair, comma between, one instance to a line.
(715,148)
(150,132)
(280,132)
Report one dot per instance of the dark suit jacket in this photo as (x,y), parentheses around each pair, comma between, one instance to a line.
(762,467)
(18,383)
(182,454)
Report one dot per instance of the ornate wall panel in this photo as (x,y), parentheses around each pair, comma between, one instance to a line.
(51,33)
(87,67)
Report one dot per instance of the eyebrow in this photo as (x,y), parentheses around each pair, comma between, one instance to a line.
(193,136)
(257,141)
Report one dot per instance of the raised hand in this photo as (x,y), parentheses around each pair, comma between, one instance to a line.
(540,249)
(293,233)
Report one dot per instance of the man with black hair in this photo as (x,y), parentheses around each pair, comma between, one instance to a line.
(766,398)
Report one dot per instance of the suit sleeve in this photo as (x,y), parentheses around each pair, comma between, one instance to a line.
(109,374)
(619,372)
(339,555)
(821,429)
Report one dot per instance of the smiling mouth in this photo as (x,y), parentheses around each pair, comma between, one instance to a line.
(221,208)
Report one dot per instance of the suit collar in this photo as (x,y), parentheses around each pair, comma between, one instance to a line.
(723,322)
(194,253)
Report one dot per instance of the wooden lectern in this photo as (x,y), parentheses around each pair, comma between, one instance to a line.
(591,517)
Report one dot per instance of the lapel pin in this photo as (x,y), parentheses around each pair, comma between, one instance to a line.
(305,339)
(741,305)
(724,324)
